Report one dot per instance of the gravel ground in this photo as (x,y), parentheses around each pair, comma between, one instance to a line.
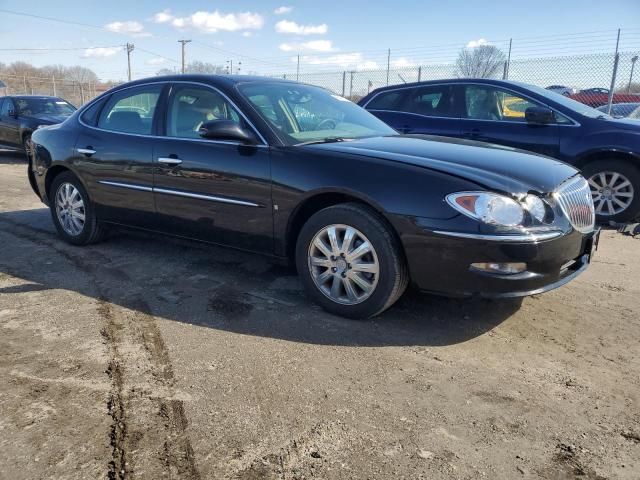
(148,357)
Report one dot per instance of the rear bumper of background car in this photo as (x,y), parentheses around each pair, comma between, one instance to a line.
(440,262)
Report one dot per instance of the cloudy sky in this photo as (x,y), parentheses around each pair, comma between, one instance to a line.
(268,37)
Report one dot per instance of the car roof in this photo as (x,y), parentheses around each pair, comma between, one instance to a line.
(209,78)
(488,81)
(34,96)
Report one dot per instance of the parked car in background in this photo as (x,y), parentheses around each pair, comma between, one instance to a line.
(607,150)
(596,97)
(359,209)
(21,115)
(622,110)
(562,90)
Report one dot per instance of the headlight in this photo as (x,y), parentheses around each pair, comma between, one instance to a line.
(490,208)
(535,207)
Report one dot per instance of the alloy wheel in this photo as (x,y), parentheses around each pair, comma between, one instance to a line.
(612,192)
(343,264)
(70,209)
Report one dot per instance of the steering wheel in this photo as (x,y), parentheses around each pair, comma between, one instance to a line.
(327,124)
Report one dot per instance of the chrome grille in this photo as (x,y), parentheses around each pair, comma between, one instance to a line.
(574,198)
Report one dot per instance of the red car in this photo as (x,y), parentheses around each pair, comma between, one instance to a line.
(596,97)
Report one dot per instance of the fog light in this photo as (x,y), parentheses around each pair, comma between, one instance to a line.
(500,268)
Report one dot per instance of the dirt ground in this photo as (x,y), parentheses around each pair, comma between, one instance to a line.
(147,357)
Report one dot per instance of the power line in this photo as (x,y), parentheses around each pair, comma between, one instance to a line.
(53,49)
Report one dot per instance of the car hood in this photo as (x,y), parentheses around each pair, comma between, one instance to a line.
(48,119)
(492,166)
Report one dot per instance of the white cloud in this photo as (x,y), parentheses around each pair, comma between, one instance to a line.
(344,60)
(287,26)
(125,27)
(156,61)
(477,43)
(313,45)
(162,17)
(247,34)
(282,10)
(212,22)
(402,62)
(101,52)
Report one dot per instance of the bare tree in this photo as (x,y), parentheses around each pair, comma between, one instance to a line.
(484,61)
(196,67)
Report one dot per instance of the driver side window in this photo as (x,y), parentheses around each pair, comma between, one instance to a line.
(7,105)
(191,106)
(489,103)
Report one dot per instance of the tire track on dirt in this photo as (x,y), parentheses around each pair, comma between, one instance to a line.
(148,428)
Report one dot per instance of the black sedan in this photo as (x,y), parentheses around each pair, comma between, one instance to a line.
(514,114)
(21,115)
(360,209)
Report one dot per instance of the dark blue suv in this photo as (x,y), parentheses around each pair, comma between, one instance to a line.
(518,115)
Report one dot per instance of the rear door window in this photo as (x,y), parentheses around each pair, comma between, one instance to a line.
(432,101)
(131,110)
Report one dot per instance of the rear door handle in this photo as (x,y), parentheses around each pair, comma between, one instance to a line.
(169,161)
(472,133)
(86,151)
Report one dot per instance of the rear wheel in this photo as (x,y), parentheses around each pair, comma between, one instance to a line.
(350,262)
(615,188)
(72,211)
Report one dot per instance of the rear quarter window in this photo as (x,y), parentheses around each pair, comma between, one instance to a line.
(386,101)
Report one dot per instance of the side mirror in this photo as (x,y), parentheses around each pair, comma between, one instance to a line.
(226,130)
(539,115)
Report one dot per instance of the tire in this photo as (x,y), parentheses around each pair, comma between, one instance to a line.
(602,173)
(27,145)
(318,271)
(91,231)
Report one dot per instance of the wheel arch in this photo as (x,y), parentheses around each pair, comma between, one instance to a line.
(609,153)
(54,171)
(320,199)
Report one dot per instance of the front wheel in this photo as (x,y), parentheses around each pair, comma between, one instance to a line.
(72,211)
(615,188)
(350,262)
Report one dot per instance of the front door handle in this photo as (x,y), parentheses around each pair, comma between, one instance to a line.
(86,151)
(169,161)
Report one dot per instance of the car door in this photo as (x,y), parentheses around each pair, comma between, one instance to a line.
(218,191)
(114,154)
(429,109)
(9,124)
(497,115)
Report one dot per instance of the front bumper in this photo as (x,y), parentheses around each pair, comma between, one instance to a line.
(440,262)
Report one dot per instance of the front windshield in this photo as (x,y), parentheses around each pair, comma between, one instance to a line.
(566,102)
(302,113)
(44,106)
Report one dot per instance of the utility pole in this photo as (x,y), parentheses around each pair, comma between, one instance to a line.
(230,67)
(633,64)
(298,70)
(388,64)
(183,42)
(130,48)
(55,94)
(616,59)
(507,64)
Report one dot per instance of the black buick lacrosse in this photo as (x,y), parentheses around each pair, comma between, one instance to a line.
(298,173)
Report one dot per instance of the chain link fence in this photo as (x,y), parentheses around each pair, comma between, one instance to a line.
(590,79)
(593,79)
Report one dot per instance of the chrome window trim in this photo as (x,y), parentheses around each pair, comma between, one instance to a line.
(522,238)
(165,82)
(178,193)
(574,124)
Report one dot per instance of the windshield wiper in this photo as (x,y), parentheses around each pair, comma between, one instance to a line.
(324,140)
